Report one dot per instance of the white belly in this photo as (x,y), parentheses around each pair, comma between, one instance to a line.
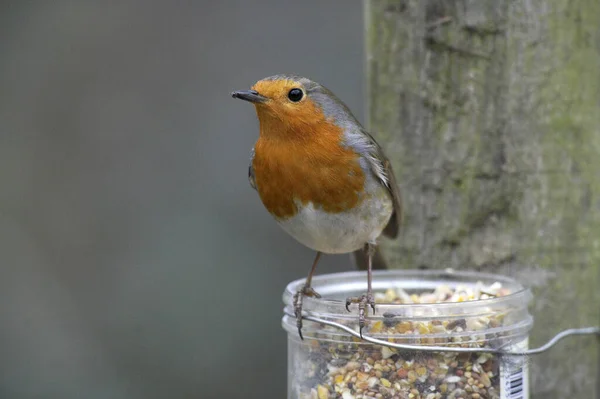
(342,232)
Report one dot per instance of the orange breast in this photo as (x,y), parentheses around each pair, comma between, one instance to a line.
(311,167)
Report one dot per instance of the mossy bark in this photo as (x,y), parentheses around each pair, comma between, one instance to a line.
(490,113)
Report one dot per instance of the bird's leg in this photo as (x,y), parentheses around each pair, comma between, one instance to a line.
(306,290)
(365,299)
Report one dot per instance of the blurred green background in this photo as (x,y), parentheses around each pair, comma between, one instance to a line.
(136,261)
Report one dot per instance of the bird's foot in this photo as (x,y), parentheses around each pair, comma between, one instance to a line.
(306,290)
(362,301)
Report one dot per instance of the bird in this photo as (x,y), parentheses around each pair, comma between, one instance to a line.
(323,177)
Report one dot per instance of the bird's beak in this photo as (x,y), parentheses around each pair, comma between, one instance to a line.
(249,95)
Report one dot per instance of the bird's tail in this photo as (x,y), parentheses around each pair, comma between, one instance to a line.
(360,260)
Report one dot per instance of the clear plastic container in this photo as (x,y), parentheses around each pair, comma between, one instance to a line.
(331,363)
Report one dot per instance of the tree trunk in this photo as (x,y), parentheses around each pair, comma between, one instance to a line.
(490,113)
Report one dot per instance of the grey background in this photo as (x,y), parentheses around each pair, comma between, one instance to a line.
(135,259)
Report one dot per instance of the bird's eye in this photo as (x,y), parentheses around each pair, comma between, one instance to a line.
(295,95)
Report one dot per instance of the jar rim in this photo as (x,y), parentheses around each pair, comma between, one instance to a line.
(345,284)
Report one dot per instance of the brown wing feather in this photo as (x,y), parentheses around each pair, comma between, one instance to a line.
(393,226)
(251,171)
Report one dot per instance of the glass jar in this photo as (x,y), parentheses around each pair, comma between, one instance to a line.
(448,309)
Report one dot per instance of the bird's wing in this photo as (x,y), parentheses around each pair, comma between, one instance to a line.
(383,170)
(251,171)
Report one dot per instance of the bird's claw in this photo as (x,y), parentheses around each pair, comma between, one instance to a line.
(362,301)
(298,296)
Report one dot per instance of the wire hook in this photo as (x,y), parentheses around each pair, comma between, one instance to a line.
(558,337)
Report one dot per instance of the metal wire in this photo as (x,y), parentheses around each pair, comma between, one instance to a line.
(535,351)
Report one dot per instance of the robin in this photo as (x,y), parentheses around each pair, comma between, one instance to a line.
(324,179)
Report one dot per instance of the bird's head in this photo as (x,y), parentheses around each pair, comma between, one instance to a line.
(294,107)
